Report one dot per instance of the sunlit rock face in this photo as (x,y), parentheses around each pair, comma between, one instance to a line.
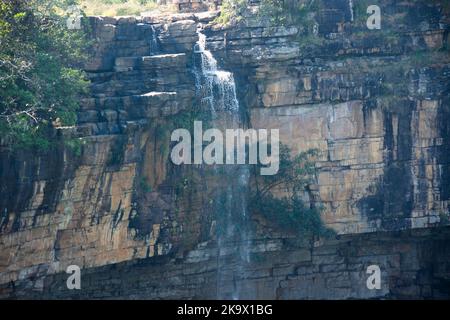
(381,151)
(375,106)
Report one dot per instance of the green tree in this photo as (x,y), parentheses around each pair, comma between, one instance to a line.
(232,11)
(286,209)
(278,12)
(40,77)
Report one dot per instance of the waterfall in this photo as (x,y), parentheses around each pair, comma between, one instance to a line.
(154,44)
(216,90)
(352,10)
(215,80)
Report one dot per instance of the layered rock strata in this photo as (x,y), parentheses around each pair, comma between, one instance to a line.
(375,103)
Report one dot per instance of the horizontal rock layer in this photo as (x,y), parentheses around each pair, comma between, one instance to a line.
(414,265)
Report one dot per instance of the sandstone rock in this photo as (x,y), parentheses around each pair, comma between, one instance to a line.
(383,163)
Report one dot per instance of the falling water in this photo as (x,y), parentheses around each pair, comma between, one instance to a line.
(219,87)
(217,92)
(154,44)
(352,11)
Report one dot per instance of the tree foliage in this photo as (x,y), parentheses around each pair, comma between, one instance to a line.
(279,197)
(40,77)
(277,12)
(232,11)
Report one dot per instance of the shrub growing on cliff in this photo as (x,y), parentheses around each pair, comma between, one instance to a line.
(232,11)
(287,210)
(287,11)
(40,82)
(278,12)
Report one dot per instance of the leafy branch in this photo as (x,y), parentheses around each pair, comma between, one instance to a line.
(40,77)
(279,198)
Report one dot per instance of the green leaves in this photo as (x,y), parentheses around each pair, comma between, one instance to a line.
(232,11)
(294,175)
(279,200)
(40,83)
(277,12)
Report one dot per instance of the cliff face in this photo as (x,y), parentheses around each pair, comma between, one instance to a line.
(374,102)
(360,97)
(414,265)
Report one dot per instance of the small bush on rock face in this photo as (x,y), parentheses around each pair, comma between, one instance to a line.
(232,11)
(277,12)
(289,212)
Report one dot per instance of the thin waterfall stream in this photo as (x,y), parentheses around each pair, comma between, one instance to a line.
(154,44)
(216,90)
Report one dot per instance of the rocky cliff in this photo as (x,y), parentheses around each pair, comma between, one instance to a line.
(375,103)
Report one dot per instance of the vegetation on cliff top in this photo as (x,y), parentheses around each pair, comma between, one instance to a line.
(279,12)
(118,7)
(40,77)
